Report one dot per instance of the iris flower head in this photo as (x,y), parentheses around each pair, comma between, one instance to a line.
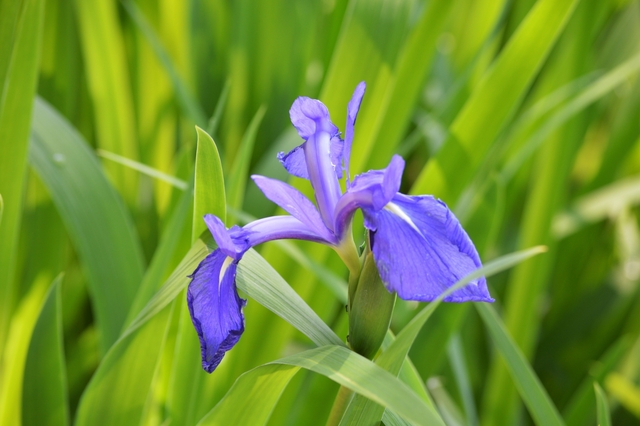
(419,247)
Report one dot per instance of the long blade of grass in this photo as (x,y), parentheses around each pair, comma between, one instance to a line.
(604,415)
(531,390)
(143,168)
(21,29)
(624,391)
(340,365)
(187,101)
(237,179)
(44,392)
(364,412)
(494,101)
(106,64)
(209,194)
(94,216)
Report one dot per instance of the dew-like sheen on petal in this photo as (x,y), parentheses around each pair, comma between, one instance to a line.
(420,250)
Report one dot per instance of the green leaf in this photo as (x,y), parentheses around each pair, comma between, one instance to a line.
(1,208)
(187,101)
(604,416)
(143,168)
(118,390)
(624,390)
(94,215)
(494,101)
(531,390)
(577,411)
(214,121)
(364,412)
(262,283)
(237,179)
(107,75)
(209,194)
(44,392)
(335,362)
(20,34)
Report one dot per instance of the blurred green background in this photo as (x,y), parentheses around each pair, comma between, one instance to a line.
(522,115)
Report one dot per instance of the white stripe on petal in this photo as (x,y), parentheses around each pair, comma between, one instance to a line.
(390,207)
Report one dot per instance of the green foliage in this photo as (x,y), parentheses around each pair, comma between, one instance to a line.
(522,115)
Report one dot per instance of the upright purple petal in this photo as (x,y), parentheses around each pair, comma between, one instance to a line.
(295,162)
(310,116)
(336,150)
(215,307)
(420,250)
(352,115)
(294,203)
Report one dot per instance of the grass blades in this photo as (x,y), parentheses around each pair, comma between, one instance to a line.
(94,215)
(143,168)
(110,88)
(21,23)
(364,412)
(261,282)
(531,390)
(44,400)
(342,366)
(494,101)
(209,194)
(604,415)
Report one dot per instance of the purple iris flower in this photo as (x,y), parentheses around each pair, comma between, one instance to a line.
(418,245)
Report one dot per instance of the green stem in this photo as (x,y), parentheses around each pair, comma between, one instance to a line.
(339,406)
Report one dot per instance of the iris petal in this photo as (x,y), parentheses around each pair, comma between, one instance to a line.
(352,114)
(294,203)
(310,116)
(420,250)
(220,234)
(215,307)
(294,162)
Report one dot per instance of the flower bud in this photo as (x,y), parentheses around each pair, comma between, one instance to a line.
(370,310)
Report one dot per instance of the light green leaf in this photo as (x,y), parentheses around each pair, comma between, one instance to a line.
(143,168)
(624,390)
(20,34)
(94,216)
(209,194)
(262,283)
(118,390)
(494,101)
(187,101)
(531,390)
(456,354)
(44,392)
(237,179)
(107,75)
(604,416)
(1,208)
(335,362)
(214,121)
(363,412)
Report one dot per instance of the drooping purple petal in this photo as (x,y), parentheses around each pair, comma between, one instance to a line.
(294,203)
(215,307)
(420,250)
(373,189)
(352,115)
(221,235)
(295,162)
